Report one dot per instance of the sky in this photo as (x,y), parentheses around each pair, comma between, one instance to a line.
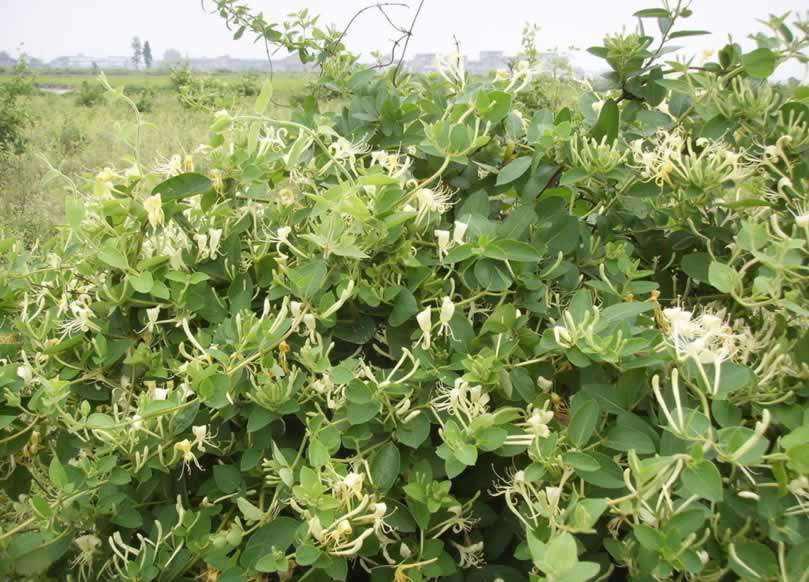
(51,28)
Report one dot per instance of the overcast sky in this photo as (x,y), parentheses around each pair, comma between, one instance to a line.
(51,28)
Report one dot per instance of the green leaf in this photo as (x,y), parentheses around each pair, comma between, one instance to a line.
(57,473)
(753,560)
(279,534)
(385,467)
(404,307)
(514,250)
(493,106)
(414,432)
(142,283)
(722,277)
(560,554)
(263,99)
(249,511)
(110,254)
(703,479)
(686,33)
(583,419)
(309,278)
(581,461)
(653,13)
(182,186)
(759,63)
(625,438)
(227,477)
(513,170)
(607,124)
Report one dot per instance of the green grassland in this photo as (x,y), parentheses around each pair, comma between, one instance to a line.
(282,82)
(79,141)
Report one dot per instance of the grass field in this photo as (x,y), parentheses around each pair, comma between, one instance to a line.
(282,82)
(79,141)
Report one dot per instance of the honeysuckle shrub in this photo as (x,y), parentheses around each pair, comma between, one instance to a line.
(429,335)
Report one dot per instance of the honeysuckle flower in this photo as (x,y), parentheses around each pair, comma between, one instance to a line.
(286,196)
(445,315)
(463,401)
(88,545)
(273,139)
(315,528)
(705,339)
(544,384)
(104,182)
(537,423)
(159,393)
(185,448)
(201,437)
(801,214)
(431,201)
(152,315)
(425,321)
(170,167)
(214,237)
(442,240)
(282,234)
(458,232)
(562,336)
(470,556)
(82,317)
(344,149)
(25,373)
(154,209)
(349,488)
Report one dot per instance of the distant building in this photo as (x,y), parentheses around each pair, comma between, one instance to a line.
(423,63)
(85,62)
(488,61)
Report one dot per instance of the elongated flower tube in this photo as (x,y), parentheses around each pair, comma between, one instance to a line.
(425,321)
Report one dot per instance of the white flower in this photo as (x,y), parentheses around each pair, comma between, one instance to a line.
(470,556)
(425,321)
(445,316)
(82,316)
(171,167)
(159,393)
(154,210)
(151,318)
(200,436)
(459,232)
(429,201)
(310,322)
(282,234)
(87,544)
(463,401)
(442,239)
(214,236)
(705,339)
(26,373)
(447,310)
(184,447)
(537,423)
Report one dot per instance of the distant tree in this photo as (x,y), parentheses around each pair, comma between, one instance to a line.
(137,52)
(172,56)
(147,55)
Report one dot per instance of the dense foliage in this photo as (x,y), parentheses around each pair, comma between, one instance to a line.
(207,93)
(14,115)
(433,334)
